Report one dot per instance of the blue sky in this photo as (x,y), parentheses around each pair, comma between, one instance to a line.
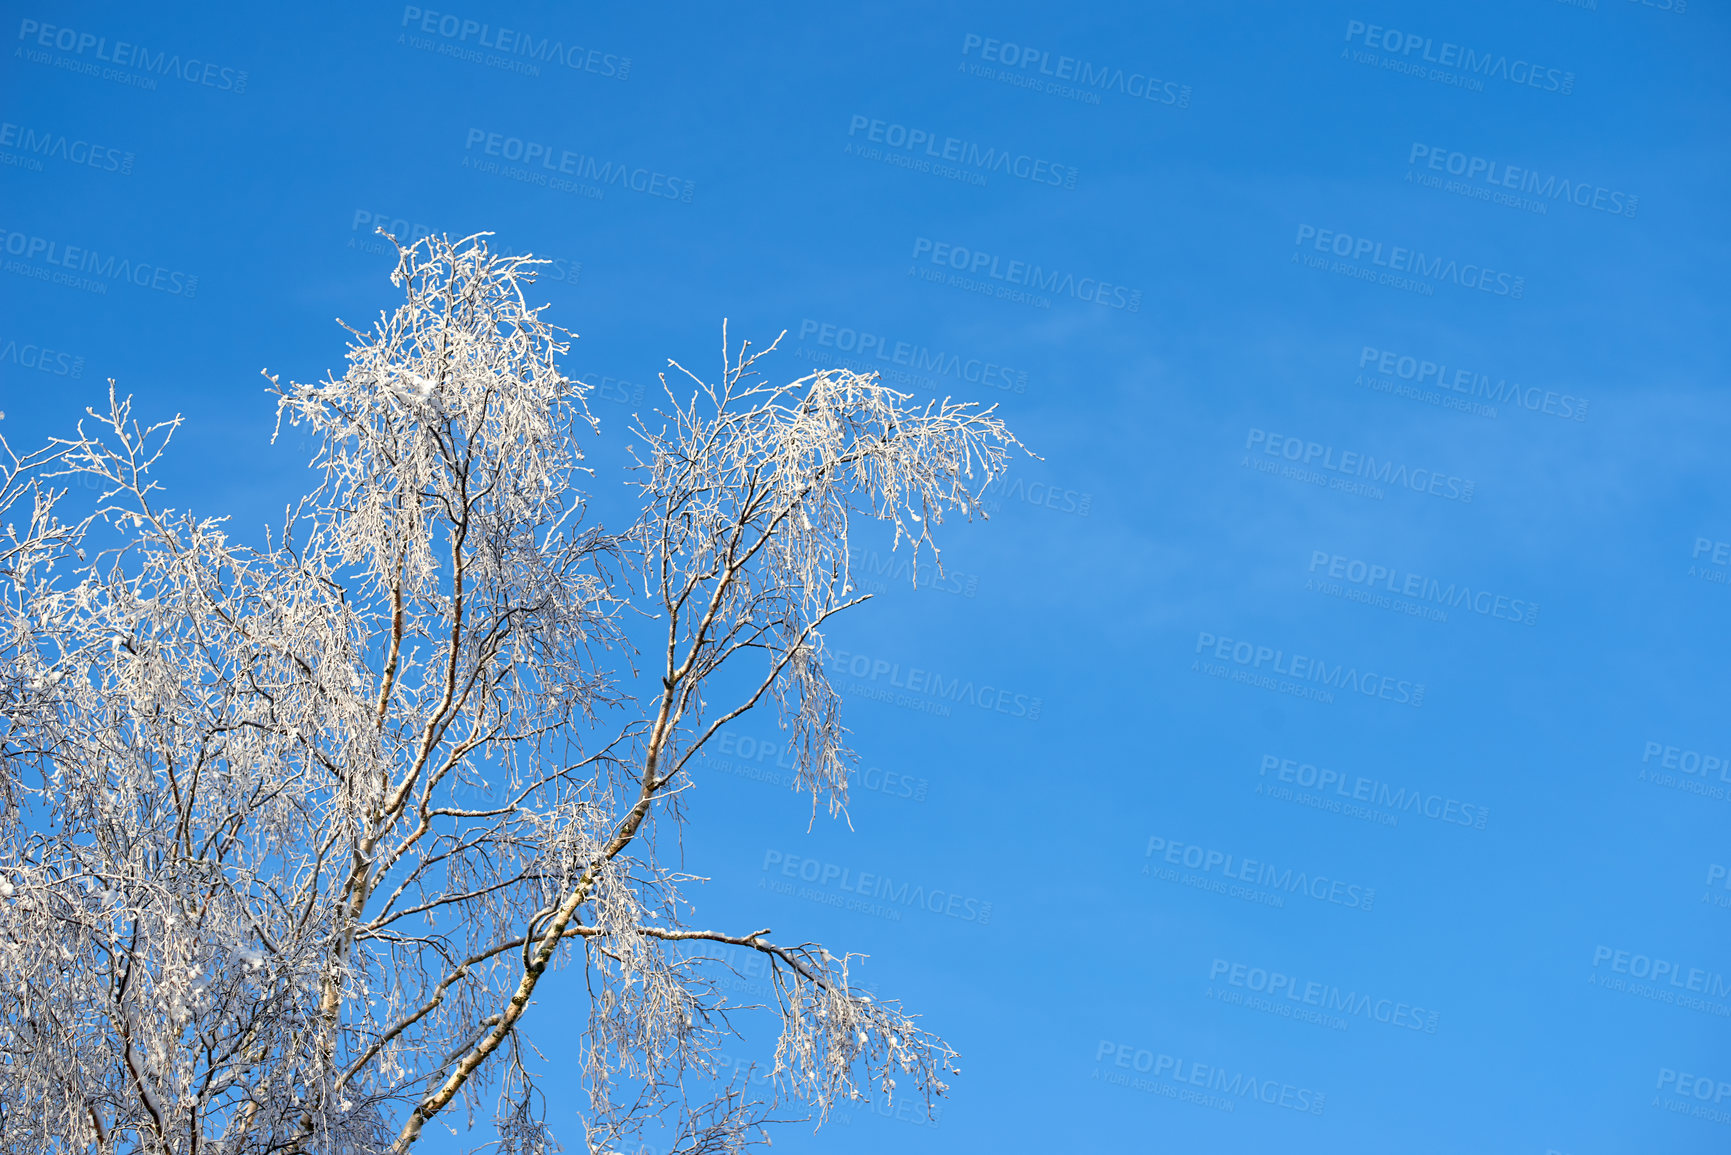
(1362,261)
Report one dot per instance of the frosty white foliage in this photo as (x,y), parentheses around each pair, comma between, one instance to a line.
(293,832)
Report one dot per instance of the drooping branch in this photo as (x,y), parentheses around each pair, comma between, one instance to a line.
(292,833)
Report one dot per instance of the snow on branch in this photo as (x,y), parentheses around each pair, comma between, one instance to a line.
(296,825)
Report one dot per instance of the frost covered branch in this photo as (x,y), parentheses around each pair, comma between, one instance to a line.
(294,831)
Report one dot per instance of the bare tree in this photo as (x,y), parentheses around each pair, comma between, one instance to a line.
(293,832)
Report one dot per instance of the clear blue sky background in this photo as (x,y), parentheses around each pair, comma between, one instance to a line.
(1104,971)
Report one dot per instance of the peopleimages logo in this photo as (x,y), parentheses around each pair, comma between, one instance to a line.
(563,162)
(876,888)
(1329,997)
(1499,180)
(1400,259)
(122,54)
(1188,1073)
(745,755)
(608,388)
(1361,467)
(1470,383)
(364,236)
(1672,982)
(66,262)
(1691,762)
(457,31)
(1069,76)
(928,146)
(1252,658)
(875,347)
(1718,552)
(1475,65)
(34,144)
(1698,1096)
(1702,1087)
(1015,487)
(26,355)
(879,572)
(1319,887)
(1708,561)
(933,685)
(1403,583)
(1717,874)
(1357,788)
(1037,278)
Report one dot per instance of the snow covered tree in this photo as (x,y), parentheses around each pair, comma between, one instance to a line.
(294,831)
